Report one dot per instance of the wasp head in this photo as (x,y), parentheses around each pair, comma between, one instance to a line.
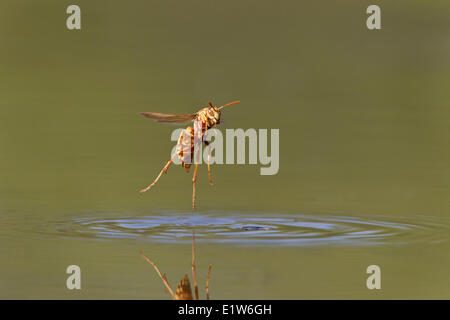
(214,114)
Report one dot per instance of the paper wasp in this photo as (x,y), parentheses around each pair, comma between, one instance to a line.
(204,120)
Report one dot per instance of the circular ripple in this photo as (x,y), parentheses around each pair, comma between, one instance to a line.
(297,230)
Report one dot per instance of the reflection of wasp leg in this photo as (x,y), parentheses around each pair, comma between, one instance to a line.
(164,170)
(194,273)
(207,282)
(209,163)
(163,277)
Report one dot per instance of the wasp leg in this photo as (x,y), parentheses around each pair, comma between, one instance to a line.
(164,170)
(209,163)
(194,180)
(163,277)
(194,273)
(207,282)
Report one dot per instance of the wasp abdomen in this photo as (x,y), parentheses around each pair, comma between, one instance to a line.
(185,148)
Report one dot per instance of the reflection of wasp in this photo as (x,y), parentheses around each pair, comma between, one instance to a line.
(204,120)
(183,291)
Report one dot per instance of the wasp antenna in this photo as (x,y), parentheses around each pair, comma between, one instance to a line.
(210,104)
(229,104)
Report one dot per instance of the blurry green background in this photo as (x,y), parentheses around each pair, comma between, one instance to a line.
(364,129)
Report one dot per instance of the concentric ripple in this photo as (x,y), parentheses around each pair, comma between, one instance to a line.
(264,229)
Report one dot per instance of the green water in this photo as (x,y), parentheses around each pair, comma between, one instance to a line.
(364,148)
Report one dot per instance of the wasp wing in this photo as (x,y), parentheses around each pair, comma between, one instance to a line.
(169,117)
